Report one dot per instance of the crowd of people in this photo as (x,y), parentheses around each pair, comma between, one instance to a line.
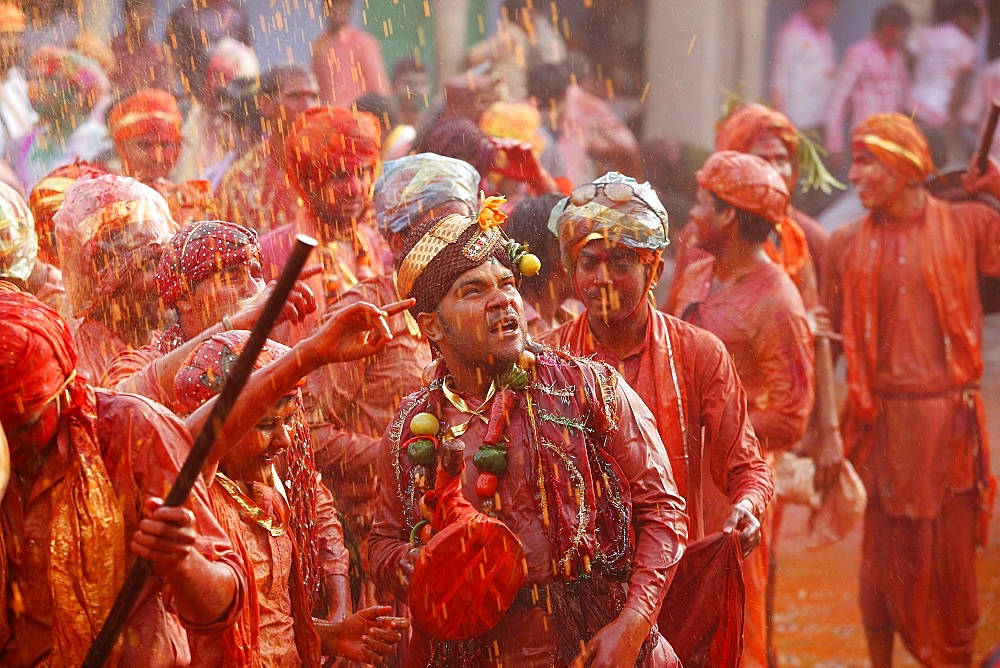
(508,414)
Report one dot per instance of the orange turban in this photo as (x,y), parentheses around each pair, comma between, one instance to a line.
(45,200)
(742,128)
(146,113)
(12,19)
(748,183)
(326,140)
(898,143)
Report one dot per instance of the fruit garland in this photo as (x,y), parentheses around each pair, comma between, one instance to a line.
(490,458)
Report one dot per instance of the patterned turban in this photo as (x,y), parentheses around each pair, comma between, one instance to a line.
(148,113)
(109,228)
(437,252)
(45,200)
(748,183)
(12,19)
(207,368)
(37,358)
(415,184)
(640,222)
(324,140)
(746,125)
(18,243)
(83,76)
(199,251)
(898,143)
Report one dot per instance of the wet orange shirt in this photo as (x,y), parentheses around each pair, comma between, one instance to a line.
(687,379)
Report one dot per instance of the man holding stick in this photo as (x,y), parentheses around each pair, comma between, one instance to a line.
(903,288)
(90,468)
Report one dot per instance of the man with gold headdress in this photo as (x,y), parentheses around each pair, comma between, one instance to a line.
(902,287)
(557,449)
(111,231)
(739,294)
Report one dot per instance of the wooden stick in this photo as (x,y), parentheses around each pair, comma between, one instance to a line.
(987,140)
(117,619)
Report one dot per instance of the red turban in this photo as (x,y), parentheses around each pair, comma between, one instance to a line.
(37,358)
(327,140)
(748,183)
(898,143)
(746,125)
(45,200)
(207,368)
(201,250)
(148,113)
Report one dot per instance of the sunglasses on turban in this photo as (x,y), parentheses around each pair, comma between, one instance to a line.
(619,193)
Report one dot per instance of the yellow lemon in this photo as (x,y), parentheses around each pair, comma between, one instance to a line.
(529,265)
(424,424)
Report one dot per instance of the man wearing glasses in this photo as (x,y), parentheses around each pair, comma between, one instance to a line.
(611,235)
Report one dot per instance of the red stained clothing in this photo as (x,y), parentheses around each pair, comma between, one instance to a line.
(256,191)
(143,446)
(906,299)
(348,64)
(760,319)
(276,627)
(926,413)
(681,366)
(624,447)
(353,403)
(97,346)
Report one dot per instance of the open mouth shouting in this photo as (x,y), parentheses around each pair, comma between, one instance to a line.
(505,325)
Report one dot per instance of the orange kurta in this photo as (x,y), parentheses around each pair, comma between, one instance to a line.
(906,298)
(276,617)
(762,322)
(686,377)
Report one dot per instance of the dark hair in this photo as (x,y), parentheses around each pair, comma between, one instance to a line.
(380,107)
(953,10)
(548,81)
(457,137)
(513,7)
(407,65)
(244,108)
(529,224)
(892,15)
(752,228)
(277,75)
